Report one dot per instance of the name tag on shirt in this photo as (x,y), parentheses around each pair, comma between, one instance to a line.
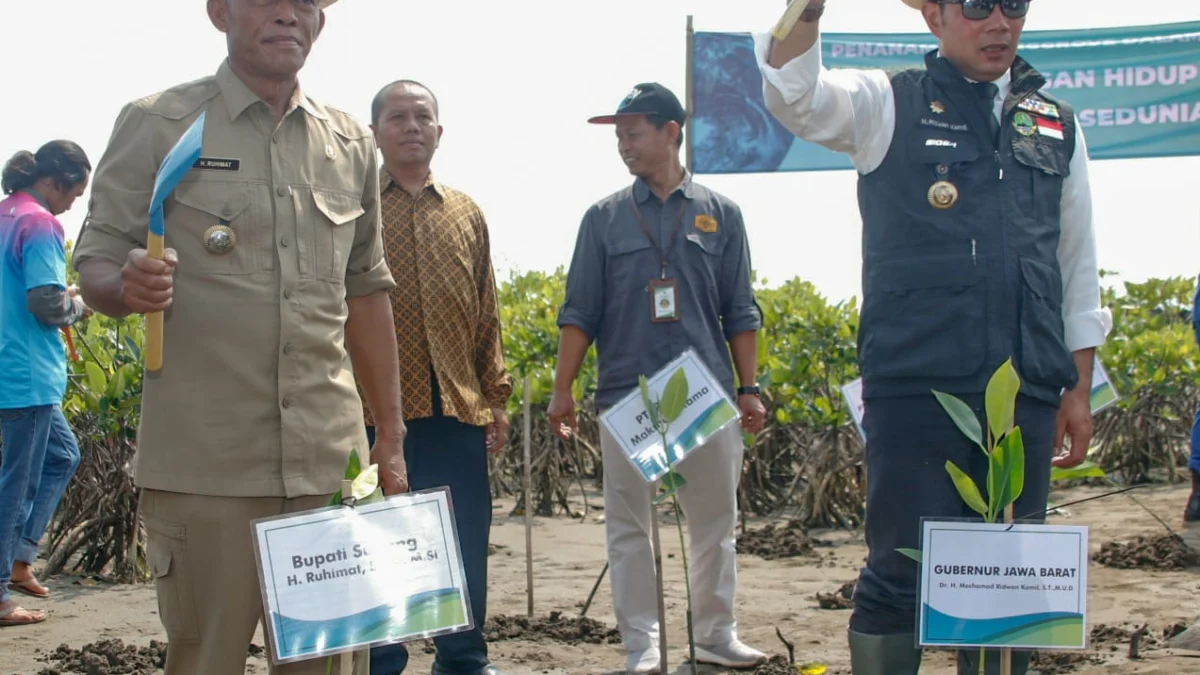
(218,164)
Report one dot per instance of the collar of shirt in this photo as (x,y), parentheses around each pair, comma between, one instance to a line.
(24,197)
(642,192)
(1003,87)
(386,181)
(238,96)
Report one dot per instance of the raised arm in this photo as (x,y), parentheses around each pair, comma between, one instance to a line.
(846,110)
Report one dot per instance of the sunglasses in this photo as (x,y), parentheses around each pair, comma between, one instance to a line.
(978,10)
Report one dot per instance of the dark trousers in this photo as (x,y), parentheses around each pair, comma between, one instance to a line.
(441,451)
(909,440)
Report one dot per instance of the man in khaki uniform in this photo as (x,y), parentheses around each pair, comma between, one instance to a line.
(274,283)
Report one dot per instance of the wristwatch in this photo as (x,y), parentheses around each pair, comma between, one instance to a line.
(749,391)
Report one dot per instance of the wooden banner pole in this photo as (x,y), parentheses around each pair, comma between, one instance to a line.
(528,479)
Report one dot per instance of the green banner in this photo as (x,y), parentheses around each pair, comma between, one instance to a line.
(1136,91)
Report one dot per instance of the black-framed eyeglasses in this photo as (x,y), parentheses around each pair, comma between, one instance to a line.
(977,10)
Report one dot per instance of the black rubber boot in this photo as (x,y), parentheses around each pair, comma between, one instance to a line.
(968,662)
(884,654)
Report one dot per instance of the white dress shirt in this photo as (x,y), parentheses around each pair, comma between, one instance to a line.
(853,111)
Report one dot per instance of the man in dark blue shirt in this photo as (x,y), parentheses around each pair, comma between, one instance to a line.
(660,267)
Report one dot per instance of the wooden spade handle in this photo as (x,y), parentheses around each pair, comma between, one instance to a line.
(154,320)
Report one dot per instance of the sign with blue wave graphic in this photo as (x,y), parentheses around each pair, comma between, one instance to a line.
(995,585)
(706,411)
(337,579)
(1136,91)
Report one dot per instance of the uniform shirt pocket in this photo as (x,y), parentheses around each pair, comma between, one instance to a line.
(213,229)
(702,257)
(632,258)
(328,227)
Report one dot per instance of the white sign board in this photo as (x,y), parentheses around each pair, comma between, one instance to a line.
(337,578)
(1104,394)
(1003,585)
(708,409)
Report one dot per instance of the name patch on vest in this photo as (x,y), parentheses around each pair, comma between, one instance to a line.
(218,164)
(943,125)
(940,143)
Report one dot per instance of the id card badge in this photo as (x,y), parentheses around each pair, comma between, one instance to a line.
(663,294)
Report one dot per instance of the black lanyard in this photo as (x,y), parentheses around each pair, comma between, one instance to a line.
(662,253)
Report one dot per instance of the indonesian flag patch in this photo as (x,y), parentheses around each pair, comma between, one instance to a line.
(1051,128)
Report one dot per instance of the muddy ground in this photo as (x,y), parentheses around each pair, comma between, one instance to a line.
(1142,581)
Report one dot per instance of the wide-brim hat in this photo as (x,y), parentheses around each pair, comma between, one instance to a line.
(915,4)
(327,3)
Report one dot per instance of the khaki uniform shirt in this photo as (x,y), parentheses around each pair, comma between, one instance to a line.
(256,396)
(447,317)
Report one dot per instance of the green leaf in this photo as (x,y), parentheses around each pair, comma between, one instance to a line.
(1088,469)
(353,465)
(963,417)
(672,482)
(116,386)
(376,496)
(365,483)
(674,396)
(96,380)
(651,409)
(913,553)
(1012,451)
(1000,399)
(967,489)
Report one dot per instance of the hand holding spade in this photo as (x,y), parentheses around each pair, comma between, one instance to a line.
(147,285)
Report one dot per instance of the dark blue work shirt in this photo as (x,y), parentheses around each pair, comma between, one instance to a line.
(608,285)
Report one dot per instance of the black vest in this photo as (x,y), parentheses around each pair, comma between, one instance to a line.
(960,239)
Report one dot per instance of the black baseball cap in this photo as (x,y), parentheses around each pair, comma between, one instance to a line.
(647,98)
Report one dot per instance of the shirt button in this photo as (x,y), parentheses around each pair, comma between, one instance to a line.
(282,191)
(287,349)
(283,242)
(287,402)
(287,293)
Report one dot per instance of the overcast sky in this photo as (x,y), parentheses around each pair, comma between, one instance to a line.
(518,79)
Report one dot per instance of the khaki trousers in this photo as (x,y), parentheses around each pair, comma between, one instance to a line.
(709,502)
(201,553)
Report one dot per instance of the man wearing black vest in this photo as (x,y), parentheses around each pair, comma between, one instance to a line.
(977,247)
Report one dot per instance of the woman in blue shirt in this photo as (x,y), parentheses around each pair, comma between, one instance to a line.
(39,454)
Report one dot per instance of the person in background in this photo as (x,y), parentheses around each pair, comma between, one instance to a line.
(39,454)
(661,266)
(1191,514)
(275,293)
(978,247)
(452,369)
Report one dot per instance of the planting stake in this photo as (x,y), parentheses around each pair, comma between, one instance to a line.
(528,507)
(658,581)
(1006,653)
(595,587)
